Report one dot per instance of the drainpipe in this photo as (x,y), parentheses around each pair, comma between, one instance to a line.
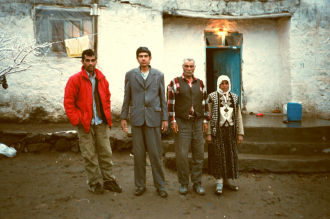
(95,13)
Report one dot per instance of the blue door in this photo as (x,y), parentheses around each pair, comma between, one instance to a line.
(227,61)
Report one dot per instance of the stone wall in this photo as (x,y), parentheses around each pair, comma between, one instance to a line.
(37,93)
(262,56)
(183,38)
(309,57)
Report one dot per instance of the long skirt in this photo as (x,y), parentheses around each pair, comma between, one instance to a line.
(222,154)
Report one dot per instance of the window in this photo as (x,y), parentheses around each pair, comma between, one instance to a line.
(57,24)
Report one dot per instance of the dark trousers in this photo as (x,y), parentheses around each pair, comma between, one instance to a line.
(147,139)
(190,136)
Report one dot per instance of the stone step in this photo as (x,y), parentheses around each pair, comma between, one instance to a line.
(285,134)
(284,148)
(270,163)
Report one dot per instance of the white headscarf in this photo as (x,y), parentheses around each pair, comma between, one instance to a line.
(220,79)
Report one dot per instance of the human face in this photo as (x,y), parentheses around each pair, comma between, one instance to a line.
(188,69)
(224,86)
(144,59)
(89,63)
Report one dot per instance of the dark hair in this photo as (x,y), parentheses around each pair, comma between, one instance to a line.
(87,52)
(142,49)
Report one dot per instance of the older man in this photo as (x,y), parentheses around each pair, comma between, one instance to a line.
(188,112)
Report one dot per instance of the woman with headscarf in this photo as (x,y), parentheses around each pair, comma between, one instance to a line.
(225,132)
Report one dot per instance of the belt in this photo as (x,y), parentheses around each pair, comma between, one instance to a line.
(192,117)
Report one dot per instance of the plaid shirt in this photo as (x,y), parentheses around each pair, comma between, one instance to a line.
(174,88)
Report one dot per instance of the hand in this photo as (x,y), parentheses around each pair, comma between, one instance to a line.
(175,127)
(239,139)
(124,125)
(164,125)
(208,138)
(205,127)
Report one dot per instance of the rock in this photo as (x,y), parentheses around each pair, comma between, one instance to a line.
(62,145)
(19,146)
(35,138)
(38,147)
(271,193)
(120,140)
(277,213)
(66,134)
(121,144)
(75,146)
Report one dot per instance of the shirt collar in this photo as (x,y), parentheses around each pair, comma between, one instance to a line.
(194,79)
(90,75)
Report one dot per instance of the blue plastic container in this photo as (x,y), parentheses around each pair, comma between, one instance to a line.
(294,111)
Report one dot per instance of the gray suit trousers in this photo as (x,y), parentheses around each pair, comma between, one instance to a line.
(147,139)
(190,136)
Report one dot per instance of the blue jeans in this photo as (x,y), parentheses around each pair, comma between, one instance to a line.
(190,136)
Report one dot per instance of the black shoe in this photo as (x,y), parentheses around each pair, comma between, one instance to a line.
(162,193)
(139,191)
(197,187)
(112,186)
(230,185)
(96,188)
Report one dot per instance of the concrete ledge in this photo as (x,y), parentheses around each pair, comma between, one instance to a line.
(269,148)
(285,148)
(26,141)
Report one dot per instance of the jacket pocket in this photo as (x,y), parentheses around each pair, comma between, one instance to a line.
(158,109)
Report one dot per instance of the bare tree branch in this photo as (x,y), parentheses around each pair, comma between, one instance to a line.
(15,54)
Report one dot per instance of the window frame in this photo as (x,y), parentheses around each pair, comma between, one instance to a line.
(45,15)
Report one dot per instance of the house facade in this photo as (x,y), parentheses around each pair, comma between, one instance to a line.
(274,51)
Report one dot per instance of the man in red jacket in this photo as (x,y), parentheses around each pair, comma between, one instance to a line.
(87,105)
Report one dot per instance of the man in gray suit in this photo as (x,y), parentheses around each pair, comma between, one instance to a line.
(144,99)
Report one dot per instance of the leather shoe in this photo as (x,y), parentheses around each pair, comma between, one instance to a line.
(199,189)
(218,188)
(231,186)
(112,186)
(96,188)
(183,189)
(162,193)
(139,191)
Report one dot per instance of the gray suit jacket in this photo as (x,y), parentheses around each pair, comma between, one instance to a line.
(144,99)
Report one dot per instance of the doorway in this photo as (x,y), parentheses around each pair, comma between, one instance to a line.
(224,59)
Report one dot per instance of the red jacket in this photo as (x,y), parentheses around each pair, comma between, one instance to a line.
(78,98)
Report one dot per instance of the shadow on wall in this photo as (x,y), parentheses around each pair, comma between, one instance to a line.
(37,114)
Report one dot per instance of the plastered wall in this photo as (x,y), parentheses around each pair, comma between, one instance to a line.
(284,59)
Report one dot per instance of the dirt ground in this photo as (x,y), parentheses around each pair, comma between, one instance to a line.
(52,185)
